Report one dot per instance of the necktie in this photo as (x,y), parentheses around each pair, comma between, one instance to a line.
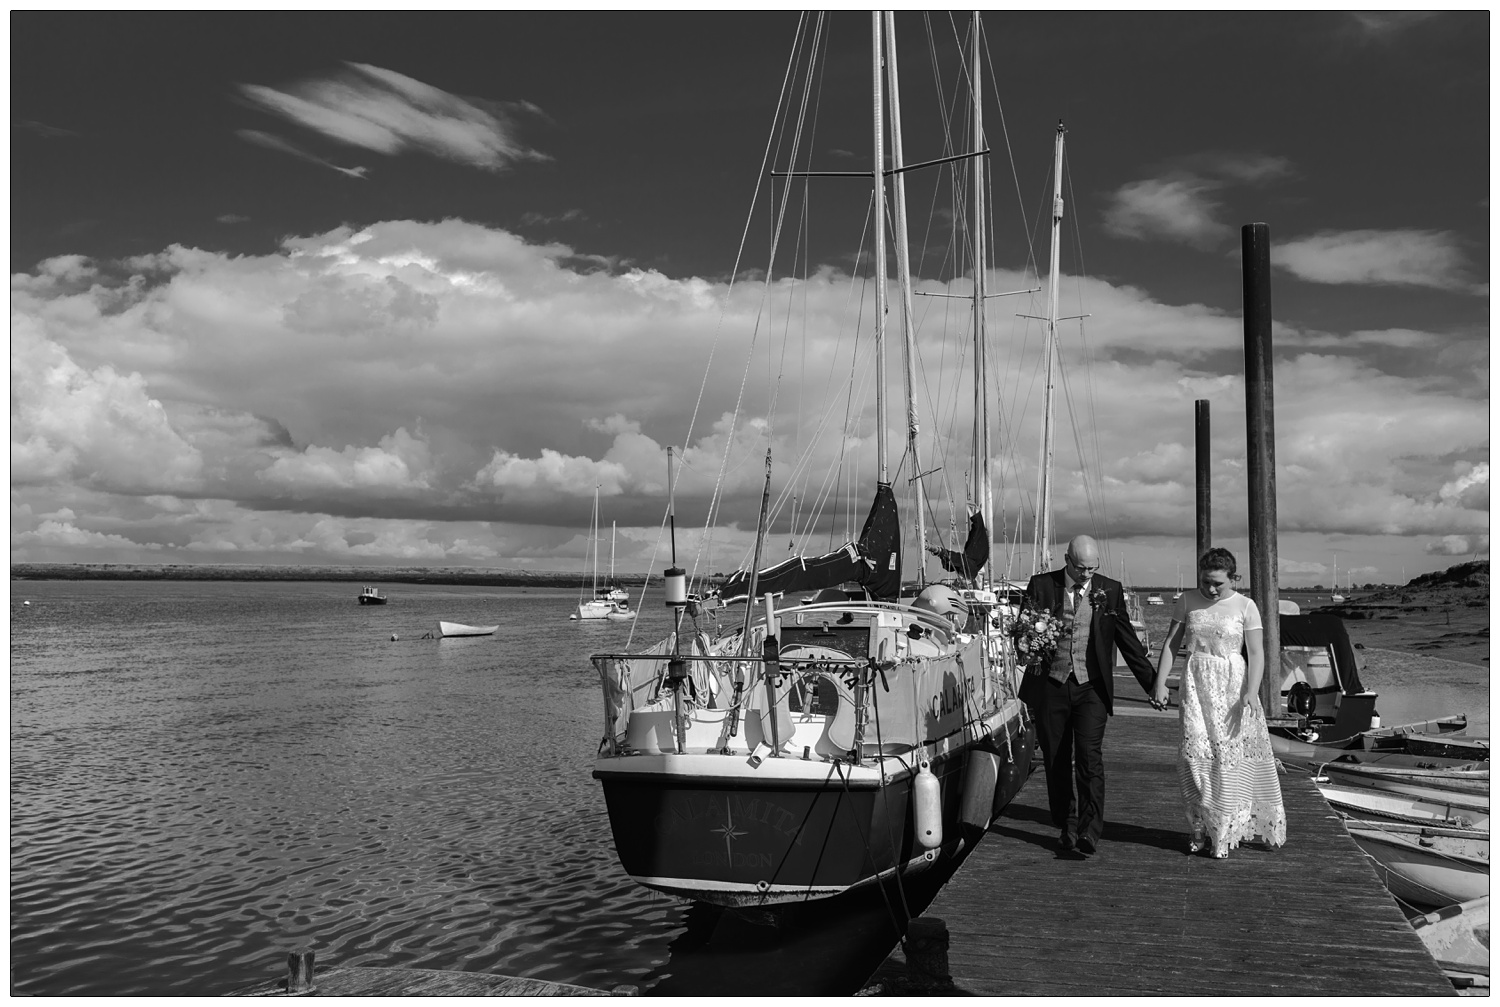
(1082,616)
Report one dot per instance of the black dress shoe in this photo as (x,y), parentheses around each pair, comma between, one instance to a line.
(1064,841)
(1087,846)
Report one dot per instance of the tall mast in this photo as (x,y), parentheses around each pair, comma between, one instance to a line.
(880,292)
(903,282)
(1042,555)
(981,372)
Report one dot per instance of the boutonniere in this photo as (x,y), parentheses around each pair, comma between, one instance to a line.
(1097,597)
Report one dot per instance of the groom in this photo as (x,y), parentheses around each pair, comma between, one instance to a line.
(1072,700)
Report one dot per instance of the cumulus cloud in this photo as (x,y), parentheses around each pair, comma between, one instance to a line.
(1460,545)
(99,428)
(448,390)
(1397,258)
(402,463)
(387,112)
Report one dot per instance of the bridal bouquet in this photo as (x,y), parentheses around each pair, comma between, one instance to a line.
(1035,635)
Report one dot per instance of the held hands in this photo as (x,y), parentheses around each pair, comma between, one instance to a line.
(1159,695)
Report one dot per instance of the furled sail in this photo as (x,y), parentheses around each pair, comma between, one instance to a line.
(976,552)
(873,562)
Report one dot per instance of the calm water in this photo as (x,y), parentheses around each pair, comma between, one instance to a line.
(207,775)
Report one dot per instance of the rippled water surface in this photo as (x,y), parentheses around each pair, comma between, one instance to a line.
(205,775)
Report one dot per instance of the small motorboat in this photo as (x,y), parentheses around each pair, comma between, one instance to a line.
(372,596)
(459,629)
(1427,866)
(1459,938)
(1155,599)
(621,613)
(1363,803)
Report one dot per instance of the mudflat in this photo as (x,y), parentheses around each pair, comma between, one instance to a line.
(1444,615)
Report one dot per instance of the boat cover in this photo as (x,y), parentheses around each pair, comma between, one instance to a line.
(874,562)
(976,552)
(1325,631)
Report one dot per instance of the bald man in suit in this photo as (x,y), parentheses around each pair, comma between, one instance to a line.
(1074,697)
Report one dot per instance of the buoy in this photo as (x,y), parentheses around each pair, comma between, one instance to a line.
(927,807)
(25,603)
(394,638)
(980,777)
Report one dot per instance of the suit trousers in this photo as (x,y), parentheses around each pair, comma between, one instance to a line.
(1070,725)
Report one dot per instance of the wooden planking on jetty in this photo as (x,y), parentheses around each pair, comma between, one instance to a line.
(1142,916)
(384,982)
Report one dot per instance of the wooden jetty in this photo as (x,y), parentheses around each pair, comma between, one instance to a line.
(1143,916)
(350,981)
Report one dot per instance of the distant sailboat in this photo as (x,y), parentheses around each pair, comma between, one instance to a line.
(602,604)
(1336,596)
(1179,581)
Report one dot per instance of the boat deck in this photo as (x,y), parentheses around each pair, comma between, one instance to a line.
(1144,917)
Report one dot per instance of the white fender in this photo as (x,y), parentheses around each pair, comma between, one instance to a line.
(927,808)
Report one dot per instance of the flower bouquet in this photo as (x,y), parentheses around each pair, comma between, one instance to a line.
(1035,635)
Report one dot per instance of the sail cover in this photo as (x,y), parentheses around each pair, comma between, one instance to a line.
(874,562)
(976,552)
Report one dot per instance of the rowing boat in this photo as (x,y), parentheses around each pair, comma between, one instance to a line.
(1428,784)
(459,629)
(1459,938)
(1427,867)
(1364,803)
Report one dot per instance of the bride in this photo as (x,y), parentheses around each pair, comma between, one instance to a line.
(1225,765)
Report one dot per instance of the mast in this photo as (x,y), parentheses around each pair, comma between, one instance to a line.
(903,283)
(611,554)
(981,372)
(880,292)
(1042,550)
(595,530)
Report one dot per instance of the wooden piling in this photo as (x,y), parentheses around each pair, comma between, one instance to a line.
(299,973)
(1205,475)
(1260,448)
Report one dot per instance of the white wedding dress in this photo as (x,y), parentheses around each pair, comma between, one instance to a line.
(1229,785)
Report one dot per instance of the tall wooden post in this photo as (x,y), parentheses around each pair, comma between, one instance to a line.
(1260,442)
(1205,509)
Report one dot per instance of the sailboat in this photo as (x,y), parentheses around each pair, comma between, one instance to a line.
(812,747)
(1335,596)
(1178,595)
(612,591)
(602,604)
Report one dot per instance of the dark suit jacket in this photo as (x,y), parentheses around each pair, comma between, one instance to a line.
(1109,628)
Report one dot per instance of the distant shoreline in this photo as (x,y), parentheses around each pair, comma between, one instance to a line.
(363,575)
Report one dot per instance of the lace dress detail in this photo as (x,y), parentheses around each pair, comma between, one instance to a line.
(1229,784)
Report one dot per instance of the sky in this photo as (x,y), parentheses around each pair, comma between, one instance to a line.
(383,289)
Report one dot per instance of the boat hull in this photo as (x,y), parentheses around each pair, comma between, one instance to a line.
(1362,803)
(1443,872)
(459,629)
(1310,756)
(1453,936)
(775,841)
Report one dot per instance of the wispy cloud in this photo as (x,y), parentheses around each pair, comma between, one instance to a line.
(1176,209)
(42,129)
(1398,258)
(553,218)
(1182,204)
(387,112)
(1383,24)
(231,218)
(273,142)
